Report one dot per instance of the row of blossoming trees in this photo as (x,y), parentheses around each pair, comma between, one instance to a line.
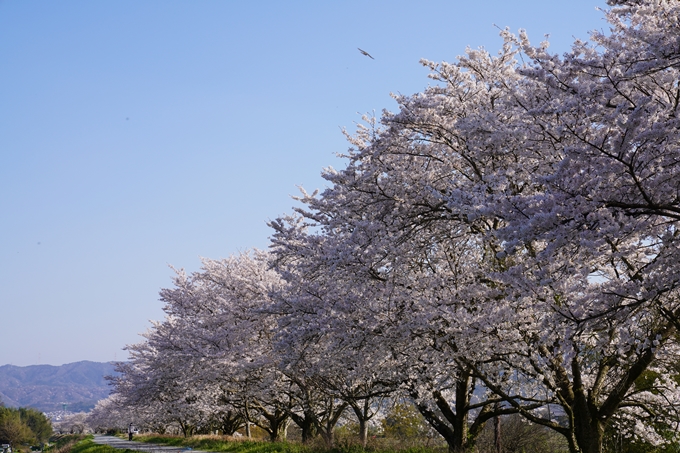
(507,242)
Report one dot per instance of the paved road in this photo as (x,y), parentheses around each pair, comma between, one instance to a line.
(117,442)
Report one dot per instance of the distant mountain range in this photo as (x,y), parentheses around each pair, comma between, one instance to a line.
(76,386)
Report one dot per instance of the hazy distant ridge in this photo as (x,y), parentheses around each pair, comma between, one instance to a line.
(47,387)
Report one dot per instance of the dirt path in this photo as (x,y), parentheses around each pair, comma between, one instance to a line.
(117,442)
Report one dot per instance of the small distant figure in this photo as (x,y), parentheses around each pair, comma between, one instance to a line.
(131,430)
(363,52)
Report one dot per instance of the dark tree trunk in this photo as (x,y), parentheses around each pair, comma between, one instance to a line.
(187,429)
(460,418)
(588,419)
(278,425)
(327,425)
(588,430)
(497,434)
(247,414)
(363,432)
(230,422)
(362,413)
(590,441)
(452,422)
(307,425)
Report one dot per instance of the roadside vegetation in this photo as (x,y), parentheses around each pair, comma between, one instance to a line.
(63,443)
(239,445)
(518,436)
(403,430)
(80,443)
(23,427)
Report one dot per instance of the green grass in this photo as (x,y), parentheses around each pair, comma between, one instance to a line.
(220,444)
(85,444)
(88,446)
(62,443)
(82,444)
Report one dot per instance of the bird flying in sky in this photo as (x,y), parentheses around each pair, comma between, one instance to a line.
(366,53)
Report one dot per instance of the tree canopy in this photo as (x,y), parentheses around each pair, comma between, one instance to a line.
(506,242)
(23,425)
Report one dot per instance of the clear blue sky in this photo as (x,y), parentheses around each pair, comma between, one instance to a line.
(138,134)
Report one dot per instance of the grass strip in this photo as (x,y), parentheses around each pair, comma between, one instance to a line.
(220,444)
(217,444)
(87,445)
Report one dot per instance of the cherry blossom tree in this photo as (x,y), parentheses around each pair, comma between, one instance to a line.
(225,332)
(521,220)
(388,295)
(506,242)
(599,240)
(110,414)
(213,356)
(153,378)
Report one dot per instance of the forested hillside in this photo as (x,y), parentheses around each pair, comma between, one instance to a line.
(79,385)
